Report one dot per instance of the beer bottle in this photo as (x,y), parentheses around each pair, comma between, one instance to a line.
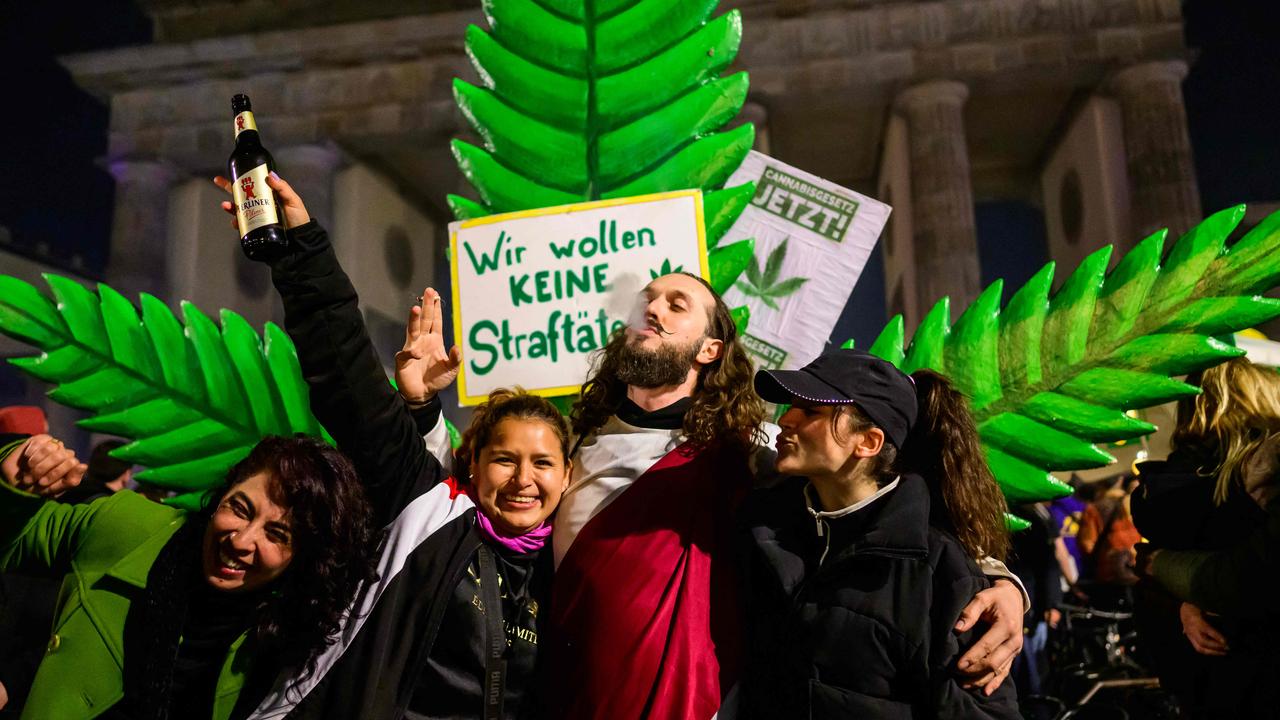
(258,210)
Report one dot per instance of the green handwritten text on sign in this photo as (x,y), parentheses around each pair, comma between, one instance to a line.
(537,292)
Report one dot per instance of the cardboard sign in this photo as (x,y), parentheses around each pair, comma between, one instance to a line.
(813,238)
(535,293)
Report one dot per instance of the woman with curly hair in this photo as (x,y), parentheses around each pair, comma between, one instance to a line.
(859,564)
(452,626)
(166,613)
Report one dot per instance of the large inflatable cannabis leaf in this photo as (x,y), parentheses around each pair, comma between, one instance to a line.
(1051,375)
(591,99)
(193,397)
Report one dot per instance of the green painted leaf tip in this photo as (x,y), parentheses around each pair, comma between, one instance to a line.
(1172,354)
(1039,444)
(1095,423)
(503,189)
(1022,329)
(1066,327)
(1219,315)
(741,318)
(465,209)
(928,344)
(728,263)
(1250,266)
(535,90)
(524,141)
(1191,257)
(657,81)
(889,344)
(721,208)
(559,43)
(972,347)
(1125,290)
(1023,482)
(1013,523)
(692,115)
(28,315)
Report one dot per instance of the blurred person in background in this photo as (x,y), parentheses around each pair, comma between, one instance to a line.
(1067,513)
(1107,538)
(106,475)
(1211,619)
(1037,556)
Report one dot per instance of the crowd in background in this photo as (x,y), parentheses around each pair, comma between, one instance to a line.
(1175,558)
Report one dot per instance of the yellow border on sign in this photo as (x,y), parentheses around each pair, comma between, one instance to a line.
(704,267)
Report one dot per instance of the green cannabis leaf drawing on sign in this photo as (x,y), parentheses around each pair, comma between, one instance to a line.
(666,269)
(765,285)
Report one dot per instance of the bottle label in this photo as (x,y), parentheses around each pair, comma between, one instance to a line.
(244,121)
(255,203)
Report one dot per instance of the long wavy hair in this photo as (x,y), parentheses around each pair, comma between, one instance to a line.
(944,448)
(1237,409)
(725,406)
(334,541)
(505,404)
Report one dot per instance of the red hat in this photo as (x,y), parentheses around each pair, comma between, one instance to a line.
(23,419)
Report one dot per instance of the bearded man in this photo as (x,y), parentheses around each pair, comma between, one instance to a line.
(645,616)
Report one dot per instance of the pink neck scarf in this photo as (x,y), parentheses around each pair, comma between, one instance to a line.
(523,544)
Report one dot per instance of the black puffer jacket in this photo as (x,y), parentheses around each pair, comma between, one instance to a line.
(1225,568)
(413,619)
(857,622)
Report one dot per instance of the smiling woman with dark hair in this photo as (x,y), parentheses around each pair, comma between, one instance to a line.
(173,614)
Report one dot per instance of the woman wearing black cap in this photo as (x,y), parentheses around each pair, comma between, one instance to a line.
(853,593)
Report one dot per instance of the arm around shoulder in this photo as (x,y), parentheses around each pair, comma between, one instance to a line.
(950,695)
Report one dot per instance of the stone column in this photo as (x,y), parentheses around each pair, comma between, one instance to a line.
(945,241)
(138,260)
(310,169)
(1162,176)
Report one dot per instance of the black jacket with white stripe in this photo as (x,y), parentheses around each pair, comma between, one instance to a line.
(373,668)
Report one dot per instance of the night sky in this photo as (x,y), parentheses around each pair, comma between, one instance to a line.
(56,200)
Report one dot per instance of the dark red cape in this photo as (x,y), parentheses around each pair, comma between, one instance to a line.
(645,620)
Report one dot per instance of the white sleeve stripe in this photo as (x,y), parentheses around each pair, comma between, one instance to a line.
(438,444)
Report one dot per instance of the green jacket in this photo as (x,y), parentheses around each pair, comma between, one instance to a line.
(105,550)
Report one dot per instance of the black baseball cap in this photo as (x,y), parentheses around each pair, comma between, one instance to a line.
(881,391)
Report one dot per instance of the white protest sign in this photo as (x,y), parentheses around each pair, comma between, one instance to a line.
(536,292)
(813,238)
